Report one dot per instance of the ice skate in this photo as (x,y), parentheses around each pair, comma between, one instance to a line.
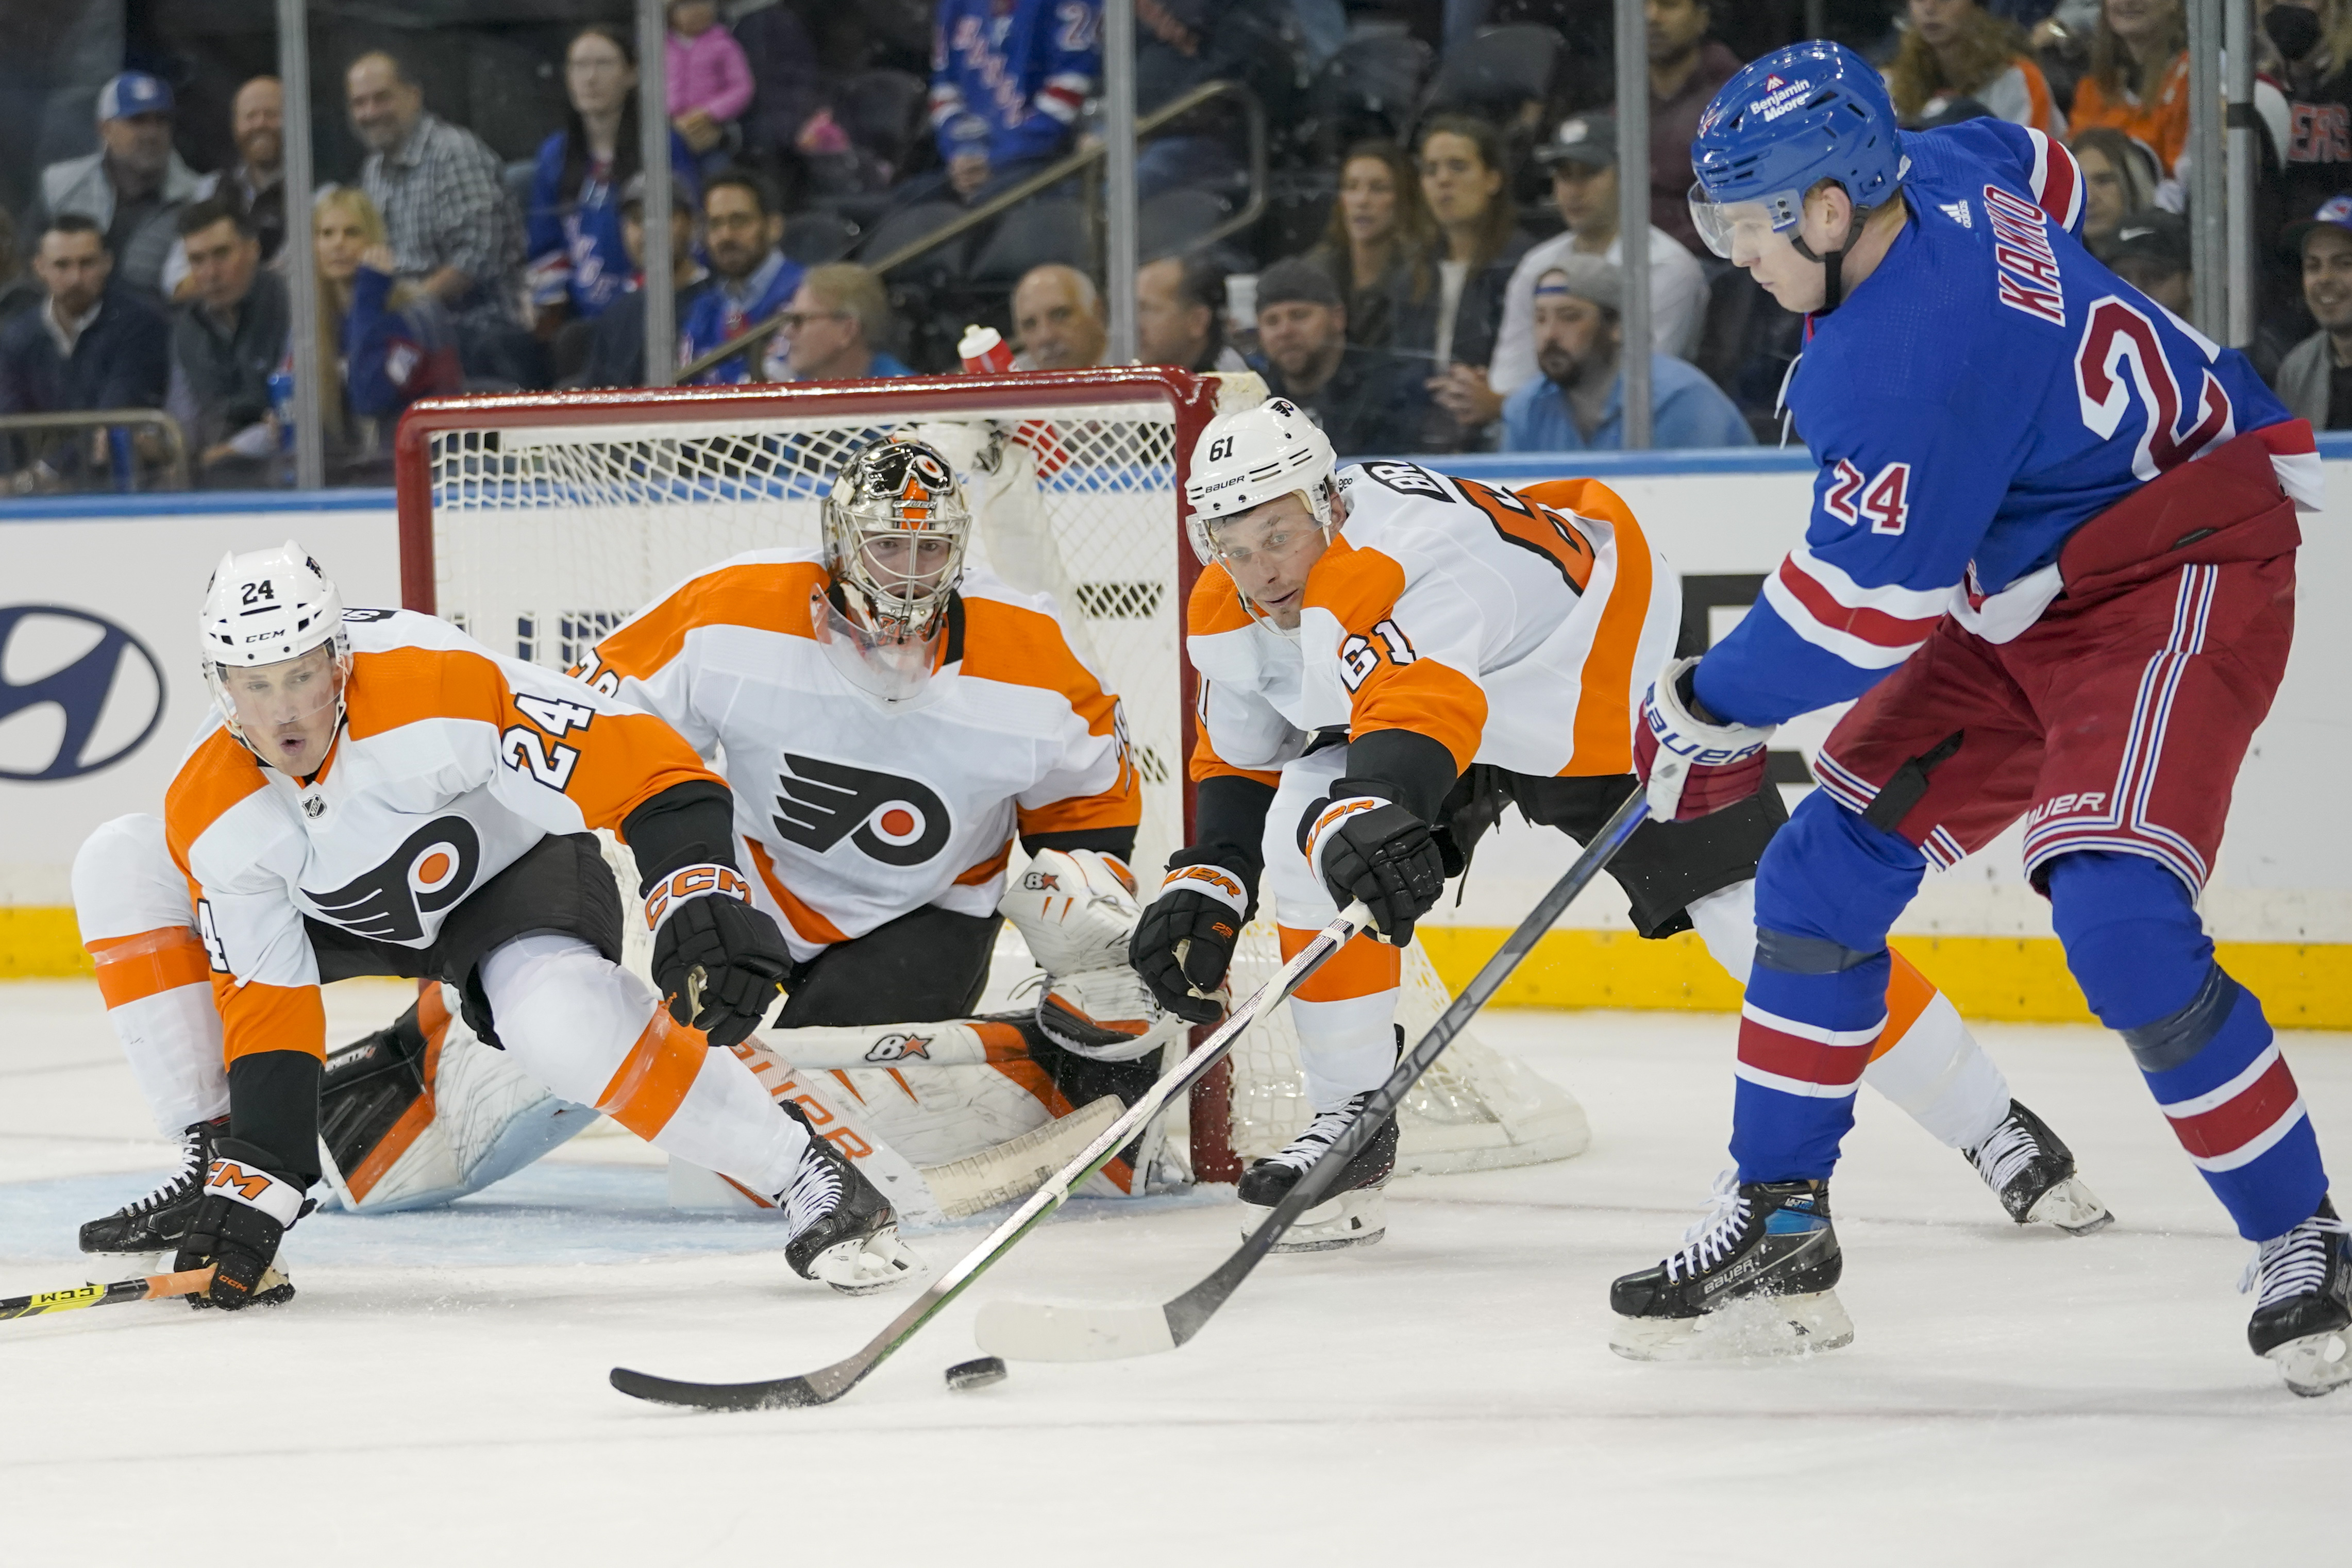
(155,1223)
(1754,1277)
(844,1230)
(2032,1171)
(1355,1214)
(2303,1318)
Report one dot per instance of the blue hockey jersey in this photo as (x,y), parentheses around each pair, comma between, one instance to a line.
(1985,391)
(1009,77)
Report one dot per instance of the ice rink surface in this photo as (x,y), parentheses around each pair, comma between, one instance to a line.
(436,1394)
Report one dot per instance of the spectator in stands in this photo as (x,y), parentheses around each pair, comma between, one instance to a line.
(230,337)
(2150,250)
(1465,179)
(710,80)
(454,232)
(2316,73)
(2139,80)
(2315,380)
(742,231)
(616,340)
(1583,158)
(133,187)
(258,179)
(2119,176)
(383,343)
(1180,315)
(1057,317)
(1686,67)
(578,265)
(834,328)
(1008,78)
(1577,404)
(1368,401)
(18,290)
(1379,245)
(90,344)
(1957,50)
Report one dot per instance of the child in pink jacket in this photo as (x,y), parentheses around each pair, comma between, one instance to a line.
(709,79)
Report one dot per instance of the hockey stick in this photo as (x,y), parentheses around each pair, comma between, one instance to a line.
(1026,1330)
(828,1383)
(149,1288)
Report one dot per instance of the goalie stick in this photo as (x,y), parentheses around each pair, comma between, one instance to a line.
(828,1383)
(148,1287)
(1026,1330)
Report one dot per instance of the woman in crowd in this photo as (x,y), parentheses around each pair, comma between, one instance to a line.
(2118,177)
(382,344)
(577,264)
(2314,45)
(1376,246)
(1466,182)
(2139,80)
(1955,49)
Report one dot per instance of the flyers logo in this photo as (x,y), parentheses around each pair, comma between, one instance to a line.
(894,820)
(898,1047)
(427,874)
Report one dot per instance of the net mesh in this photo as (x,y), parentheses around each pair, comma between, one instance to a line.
(546,536)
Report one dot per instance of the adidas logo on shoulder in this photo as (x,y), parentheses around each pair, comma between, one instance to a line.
(1958,213)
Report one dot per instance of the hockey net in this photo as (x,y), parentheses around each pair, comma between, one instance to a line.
(538,523)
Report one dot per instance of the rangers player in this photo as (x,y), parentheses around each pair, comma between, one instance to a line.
(2052,553)
(1389,656)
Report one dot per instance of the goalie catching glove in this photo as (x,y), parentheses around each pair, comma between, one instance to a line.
(717,960)
(244,1212)
(1077,911)
(1369,847)
(1693,767)
(1184,942)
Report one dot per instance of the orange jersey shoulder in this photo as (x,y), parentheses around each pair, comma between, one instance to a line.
(762,595)
(1215,605)
(217,774)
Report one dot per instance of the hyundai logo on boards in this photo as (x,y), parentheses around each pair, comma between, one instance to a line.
(78,693)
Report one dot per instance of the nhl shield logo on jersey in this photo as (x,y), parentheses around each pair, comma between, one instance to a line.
(427,874)
(897,821)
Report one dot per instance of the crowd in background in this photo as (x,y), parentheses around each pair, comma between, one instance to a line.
(1427,257)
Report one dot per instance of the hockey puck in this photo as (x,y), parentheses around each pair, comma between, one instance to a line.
(977,1374)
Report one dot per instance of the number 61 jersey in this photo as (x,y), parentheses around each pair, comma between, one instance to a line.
(1988,388)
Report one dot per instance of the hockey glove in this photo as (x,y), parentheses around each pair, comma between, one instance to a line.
(717,960)
(244,1212)
(1365,847)
(1185,940)
(1691,767)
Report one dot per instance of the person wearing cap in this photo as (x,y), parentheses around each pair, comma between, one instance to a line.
(1579,404)
(1367,401)
(617,339)
(1583,158)
(2150,250)
(2315,380)
(133,187)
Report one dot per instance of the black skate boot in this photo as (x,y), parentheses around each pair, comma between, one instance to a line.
(2032,1171)
(155,1223)
(2303,1318)
(843,1231)
(1353,1213)
(1753,1277)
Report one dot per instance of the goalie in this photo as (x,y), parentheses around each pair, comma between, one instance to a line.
(1389,656)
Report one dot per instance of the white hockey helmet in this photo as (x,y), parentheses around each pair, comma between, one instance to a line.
(265,607)
(1253,456)
(902,487)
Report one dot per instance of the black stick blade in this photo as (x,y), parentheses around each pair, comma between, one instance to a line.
(776,1393)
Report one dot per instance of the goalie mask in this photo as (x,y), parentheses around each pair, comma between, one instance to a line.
(896,528)
(274,652)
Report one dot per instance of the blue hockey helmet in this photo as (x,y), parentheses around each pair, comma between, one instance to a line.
(1797,116)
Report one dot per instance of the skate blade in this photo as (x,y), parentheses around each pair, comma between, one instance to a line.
(866,1264)
(1355,1218)
(1745,1330)
(2317,1363)
(2070,1206)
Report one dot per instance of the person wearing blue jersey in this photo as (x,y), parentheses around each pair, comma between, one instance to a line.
(751,278)
(1008,78)
(2051,558)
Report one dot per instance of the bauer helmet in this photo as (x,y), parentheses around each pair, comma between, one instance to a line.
(896,493)
(268,607)
(1253,456)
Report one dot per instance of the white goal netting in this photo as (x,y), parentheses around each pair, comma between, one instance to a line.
(552,522)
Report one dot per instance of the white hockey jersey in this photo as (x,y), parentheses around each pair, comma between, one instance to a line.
(854,812)
(1519,629)
(451,764)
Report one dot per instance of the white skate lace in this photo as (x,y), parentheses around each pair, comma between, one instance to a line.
(2295,1264)
(1321,1132)
(816,1190)
(2008,1152)
(176,1185)
(1712,1237)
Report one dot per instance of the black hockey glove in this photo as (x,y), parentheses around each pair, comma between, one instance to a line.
(718,961)
(1185,940)
(244,1212)
(1365,847)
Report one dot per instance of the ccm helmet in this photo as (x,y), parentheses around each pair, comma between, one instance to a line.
(265,607)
